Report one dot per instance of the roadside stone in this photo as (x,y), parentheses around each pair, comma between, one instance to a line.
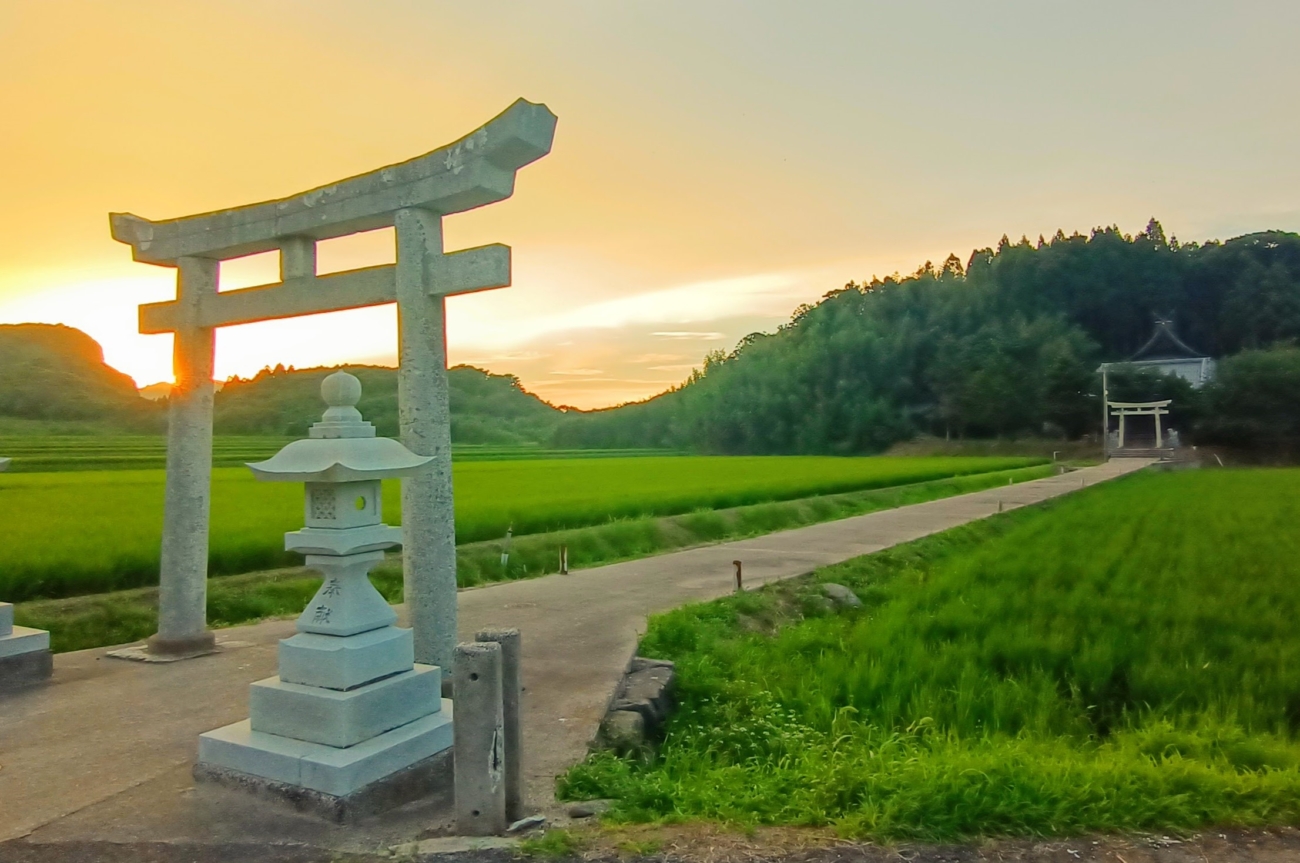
(643,701)
(523,825)
(589,808)
(641,663)
(644,709)
(841,595)
(623,730)
(648,692)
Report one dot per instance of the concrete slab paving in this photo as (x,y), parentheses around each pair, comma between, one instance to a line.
(104,751)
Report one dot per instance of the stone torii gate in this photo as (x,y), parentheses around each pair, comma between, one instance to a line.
(413,197)
(1156,409)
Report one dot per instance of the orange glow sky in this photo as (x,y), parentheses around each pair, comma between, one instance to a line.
(716,163)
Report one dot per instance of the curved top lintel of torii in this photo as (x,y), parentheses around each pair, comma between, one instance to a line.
(476,170)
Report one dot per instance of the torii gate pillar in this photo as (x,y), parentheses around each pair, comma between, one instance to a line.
(412,197)
(424,411)
(183,570)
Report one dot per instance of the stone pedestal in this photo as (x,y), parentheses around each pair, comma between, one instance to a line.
(350,708)
(25,656)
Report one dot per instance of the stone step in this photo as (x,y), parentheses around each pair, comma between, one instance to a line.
(327,769)
(1144,452)
(343,719)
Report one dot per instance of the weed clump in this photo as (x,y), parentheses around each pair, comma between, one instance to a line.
(552,845)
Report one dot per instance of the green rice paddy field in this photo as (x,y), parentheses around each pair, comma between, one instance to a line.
(76,532)
(41,451)
(1125,658)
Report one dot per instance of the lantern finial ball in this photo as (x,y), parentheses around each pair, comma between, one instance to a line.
(341,390)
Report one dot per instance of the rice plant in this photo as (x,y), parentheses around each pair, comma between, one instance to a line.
(1127,658)
(75,532)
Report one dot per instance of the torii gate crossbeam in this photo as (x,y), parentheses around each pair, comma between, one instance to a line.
(413,197)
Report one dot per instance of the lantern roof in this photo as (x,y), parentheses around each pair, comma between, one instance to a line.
(342,447)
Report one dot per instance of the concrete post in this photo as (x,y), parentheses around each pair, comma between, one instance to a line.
(1105,415)
(1160,441)
(428,514)
(183,576)
(511,690)
(480,740)
(1121,431)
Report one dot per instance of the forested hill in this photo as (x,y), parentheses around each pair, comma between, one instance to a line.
(53,372)
(485,408)
(1006,343)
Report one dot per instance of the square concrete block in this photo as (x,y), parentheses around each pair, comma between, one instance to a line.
(343,719)
(24,640)
(325,768)
(333,662)
(24,669)
(6,618)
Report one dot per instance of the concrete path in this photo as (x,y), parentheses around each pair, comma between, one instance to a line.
(104,752)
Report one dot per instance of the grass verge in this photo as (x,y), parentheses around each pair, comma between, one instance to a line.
(1122,659)
(118,617)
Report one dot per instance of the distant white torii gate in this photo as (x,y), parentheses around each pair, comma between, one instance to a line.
(413,197)
(1155,409)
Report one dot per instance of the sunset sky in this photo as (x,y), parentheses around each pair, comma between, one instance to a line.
(715,164)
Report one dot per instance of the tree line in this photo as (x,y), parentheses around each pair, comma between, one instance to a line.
(1007,343)
(485,408)
(51,373)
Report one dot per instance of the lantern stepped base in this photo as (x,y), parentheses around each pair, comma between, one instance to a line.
(345,663)
(344,719)
(327,770)
(429,780)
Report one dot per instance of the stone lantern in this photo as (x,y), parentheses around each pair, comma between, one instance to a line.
(349,709)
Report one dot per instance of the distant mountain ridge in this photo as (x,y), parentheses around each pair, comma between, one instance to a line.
(56,372)
(485,408)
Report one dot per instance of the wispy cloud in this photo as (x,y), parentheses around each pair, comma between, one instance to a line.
(683,334)
(763,294)
(507,357)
